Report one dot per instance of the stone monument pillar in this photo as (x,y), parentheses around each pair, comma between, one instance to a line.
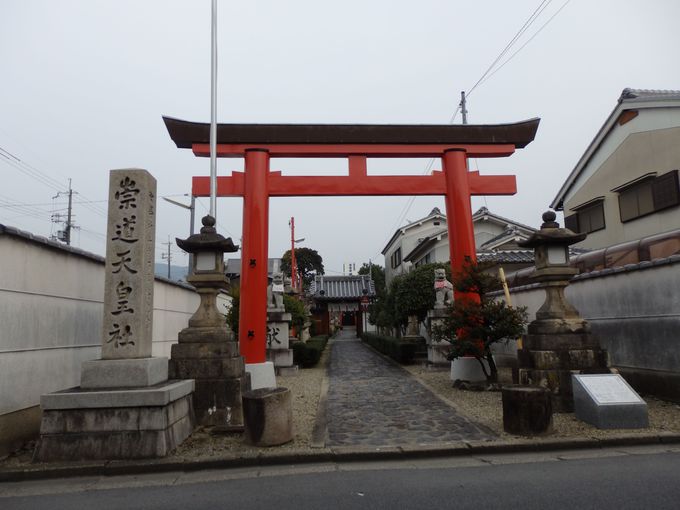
(559,342)
(207,350)
(438,350)
(125,406)
(278,325)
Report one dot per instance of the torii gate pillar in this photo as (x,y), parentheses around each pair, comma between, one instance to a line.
(254,257)
(458,209)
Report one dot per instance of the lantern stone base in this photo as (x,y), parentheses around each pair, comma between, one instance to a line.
(552,368)
(262,375)
(211,357)
(131,423)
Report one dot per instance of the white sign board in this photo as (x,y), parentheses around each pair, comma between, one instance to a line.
(609,389)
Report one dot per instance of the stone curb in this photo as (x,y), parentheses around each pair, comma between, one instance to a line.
(337,454)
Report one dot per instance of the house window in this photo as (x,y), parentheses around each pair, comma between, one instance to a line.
(396,258)
(587,218)
(424,260)
(648,195)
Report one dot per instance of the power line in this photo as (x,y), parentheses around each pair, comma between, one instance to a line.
(217,225)
(485,76)
(534,15)
(528,41)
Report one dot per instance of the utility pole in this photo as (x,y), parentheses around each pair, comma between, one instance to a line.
(168,255)
(65,235)
(293,263)
(68,217)
(463,106)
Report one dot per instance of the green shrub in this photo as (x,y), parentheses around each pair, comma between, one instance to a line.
(307,354)
(397,349)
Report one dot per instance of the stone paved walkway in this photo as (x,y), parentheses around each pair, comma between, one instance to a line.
(373,402)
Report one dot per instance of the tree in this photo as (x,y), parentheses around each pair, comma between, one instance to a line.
(309,264)
(477,321)
(377,274)
(408,294)
(415,293)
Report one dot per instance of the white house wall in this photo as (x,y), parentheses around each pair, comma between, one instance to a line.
(643,152)
(648,119)
(51,306)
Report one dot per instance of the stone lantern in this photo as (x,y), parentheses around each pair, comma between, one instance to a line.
(559,342)
(207,350)
(207,271)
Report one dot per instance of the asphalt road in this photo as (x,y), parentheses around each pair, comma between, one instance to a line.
(633,477)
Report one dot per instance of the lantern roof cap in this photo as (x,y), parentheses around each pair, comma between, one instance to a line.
(207,240)
(551,234)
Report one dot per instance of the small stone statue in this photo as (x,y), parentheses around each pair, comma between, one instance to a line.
(275,294)
(443,289)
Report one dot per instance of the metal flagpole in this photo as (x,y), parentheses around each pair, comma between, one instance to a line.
(213,110)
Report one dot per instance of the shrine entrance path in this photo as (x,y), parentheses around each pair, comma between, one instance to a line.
(373,402)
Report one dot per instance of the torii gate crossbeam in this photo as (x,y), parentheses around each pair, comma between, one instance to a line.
(257,144)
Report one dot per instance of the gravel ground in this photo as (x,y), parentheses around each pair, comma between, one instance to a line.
(485,407)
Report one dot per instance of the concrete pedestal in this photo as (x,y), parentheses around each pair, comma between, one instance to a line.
(262,375)
(437,351)
(268,416)
(121,373)
(468,369)
(278,341)
(132,423)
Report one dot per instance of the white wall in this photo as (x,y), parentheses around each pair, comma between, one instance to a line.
(51,306)
(634,311)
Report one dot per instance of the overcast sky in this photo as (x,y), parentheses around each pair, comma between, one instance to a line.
(84,83)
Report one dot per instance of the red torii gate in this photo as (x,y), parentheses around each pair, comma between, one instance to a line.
(257,143)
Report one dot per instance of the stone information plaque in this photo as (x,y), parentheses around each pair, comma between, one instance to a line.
(610,389)
(608,402)
(128,289)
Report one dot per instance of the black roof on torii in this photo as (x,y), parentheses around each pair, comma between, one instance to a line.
(519,134)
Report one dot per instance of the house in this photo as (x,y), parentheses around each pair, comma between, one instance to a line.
(426,241)
(625,185)
(406,238)
(342,300)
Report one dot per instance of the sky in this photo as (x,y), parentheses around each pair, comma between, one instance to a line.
(84,84)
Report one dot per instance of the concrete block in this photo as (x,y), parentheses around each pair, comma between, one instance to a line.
(287,371)
(278,334)
(78,398)
(122,373)
(268,414)
(468,369)
(280,357)
(262,375)
(608,402)
(98,436)
(437,353)
(527,410)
